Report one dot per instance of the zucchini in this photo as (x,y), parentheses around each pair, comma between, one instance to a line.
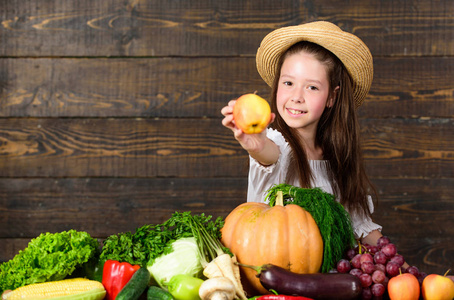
(157,293)
(135,286)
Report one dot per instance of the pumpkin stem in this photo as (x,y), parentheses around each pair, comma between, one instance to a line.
(279,198)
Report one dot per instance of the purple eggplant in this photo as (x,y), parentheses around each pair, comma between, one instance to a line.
(317,286)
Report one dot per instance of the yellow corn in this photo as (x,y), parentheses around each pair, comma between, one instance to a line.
(62,289)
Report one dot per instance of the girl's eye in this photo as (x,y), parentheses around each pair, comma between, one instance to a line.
(288,83)
(314,88)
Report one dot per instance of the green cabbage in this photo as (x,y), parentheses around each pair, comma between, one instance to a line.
(48,257)
(183,258)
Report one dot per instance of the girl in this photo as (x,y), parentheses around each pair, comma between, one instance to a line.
(319,75)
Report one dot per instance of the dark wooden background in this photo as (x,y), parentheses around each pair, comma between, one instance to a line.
(110,112)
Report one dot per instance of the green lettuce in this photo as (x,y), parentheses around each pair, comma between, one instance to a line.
(48,257)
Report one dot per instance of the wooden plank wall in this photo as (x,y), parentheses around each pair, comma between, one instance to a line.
(110,112)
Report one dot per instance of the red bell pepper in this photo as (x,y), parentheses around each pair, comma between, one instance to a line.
(115,276)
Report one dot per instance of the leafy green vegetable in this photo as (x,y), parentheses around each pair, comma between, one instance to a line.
(48,257)
(332,219)
(150,241)
(183,258)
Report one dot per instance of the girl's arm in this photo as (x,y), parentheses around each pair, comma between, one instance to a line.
(268,154)
(372,238)
(259,146)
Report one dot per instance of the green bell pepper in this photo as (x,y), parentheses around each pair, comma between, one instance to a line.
(184,287)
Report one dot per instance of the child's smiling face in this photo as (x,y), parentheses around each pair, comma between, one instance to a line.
(303,91)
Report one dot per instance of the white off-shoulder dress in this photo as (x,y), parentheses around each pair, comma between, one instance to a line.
(261,178)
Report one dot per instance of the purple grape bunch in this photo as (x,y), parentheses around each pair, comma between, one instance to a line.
(375,266)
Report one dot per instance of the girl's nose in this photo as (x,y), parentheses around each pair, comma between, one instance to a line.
(297,100)
(298,96)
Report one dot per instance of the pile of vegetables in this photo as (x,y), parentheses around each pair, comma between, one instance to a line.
(175,257)
(186,257)
(169,249)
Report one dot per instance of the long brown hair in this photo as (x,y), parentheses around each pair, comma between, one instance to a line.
(338,135)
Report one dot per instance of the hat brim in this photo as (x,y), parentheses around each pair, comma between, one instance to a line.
(350,50)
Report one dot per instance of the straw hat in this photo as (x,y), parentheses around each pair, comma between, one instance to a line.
(351,51)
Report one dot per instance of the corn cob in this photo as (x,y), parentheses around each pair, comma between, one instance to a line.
(75,288)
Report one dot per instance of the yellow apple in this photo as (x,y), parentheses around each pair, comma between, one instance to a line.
(251,113)
(437,287)
(404,287)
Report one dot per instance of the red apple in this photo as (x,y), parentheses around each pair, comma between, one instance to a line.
(404,287)
(437,287)
(251,113)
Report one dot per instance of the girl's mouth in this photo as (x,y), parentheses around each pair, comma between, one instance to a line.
(295,111)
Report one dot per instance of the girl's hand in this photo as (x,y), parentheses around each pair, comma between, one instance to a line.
(227,112)
(252,143)
(5,293)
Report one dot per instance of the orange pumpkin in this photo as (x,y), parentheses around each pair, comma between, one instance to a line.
(286,236)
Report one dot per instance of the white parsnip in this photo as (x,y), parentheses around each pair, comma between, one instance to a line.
(226,265)
(217,288)
(236,271)
(212,270)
